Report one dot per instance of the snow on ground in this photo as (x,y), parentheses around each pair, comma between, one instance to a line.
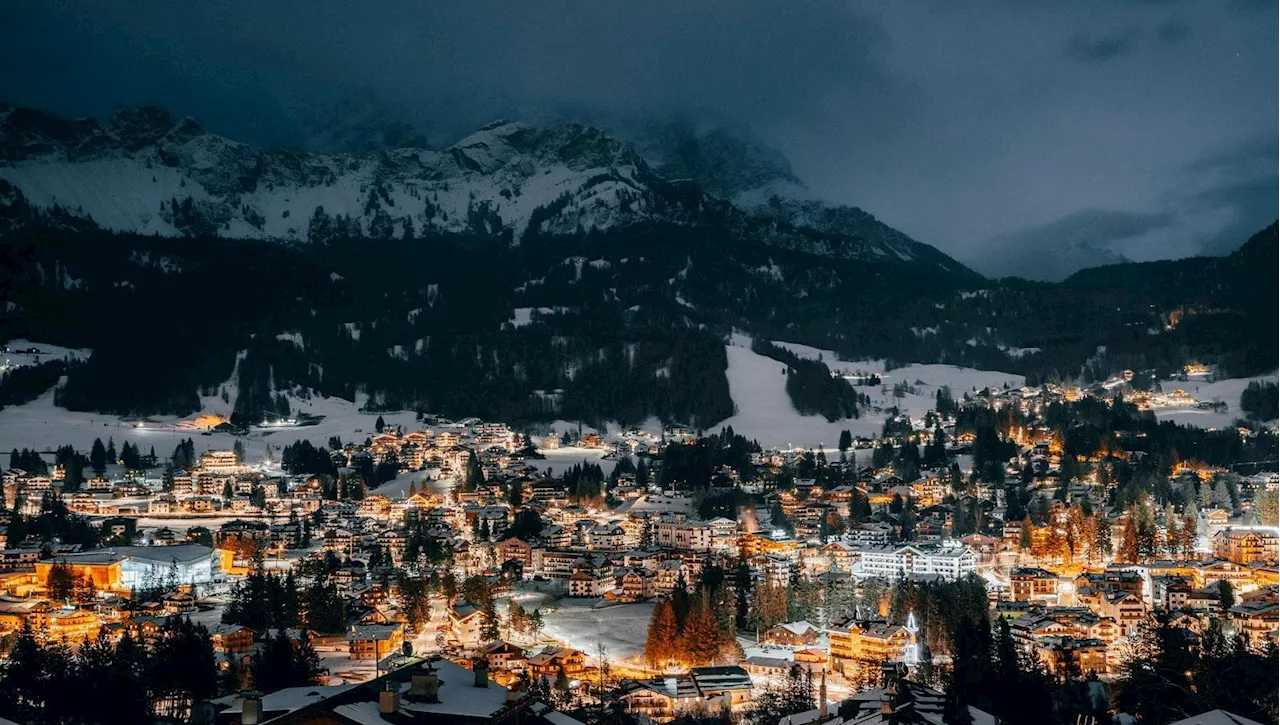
(422,480)
(656,504)
(764,411)
(927,379)
(43,426)
(809,353)
(18,355)
(559,460)
(622,628)
(1228,391)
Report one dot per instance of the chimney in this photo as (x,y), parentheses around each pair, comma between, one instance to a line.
(251,709)
(482,672)
(424,686)
(515,693)
(388,701)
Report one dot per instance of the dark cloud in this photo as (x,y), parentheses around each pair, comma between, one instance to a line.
(452,64)
(1054,251)
(1107,46)
(1250,6)
(1172,31)
(1237,187)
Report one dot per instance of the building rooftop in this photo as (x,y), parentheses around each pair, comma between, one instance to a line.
(181,554)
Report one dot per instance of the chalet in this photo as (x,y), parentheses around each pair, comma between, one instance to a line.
(464,624)
(505,657)
(1033,584)
(589,582)
(374,641)
(514,549)
(551,660)
(792,634)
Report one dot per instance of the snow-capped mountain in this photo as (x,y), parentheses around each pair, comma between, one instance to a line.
(144,171)
(732,164)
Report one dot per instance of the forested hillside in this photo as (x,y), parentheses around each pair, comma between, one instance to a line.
(617,325)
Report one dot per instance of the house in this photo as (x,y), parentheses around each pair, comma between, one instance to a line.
(860,647)
(792,634)
(514,549)
(231,638)
(464,624)
(505,657)
(703,689)
(1256,616)
(606,537)
(1073,655)
(550,660)
(588,582)
(424,692)
(637,583)
(374,641)
(1033,584)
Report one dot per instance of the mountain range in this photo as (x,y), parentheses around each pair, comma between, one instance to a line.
(143,171)
(524,273)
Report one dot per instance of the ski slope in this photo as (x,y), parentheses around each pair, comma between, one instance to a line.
(1227,391)
(765,413)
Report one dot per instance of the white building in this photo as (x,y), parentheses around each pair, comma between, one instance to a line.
(685,535)
(896,562)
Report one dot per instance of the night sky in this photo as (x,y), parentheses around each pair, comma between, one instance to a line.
(1144,128)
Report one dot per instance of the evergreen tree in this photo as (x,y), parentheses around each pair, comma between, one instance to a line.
(663,635)
(98,457)
(846,440)
(1226,595)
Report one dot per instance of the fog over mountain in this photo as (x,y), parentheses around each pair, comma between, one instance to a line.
(1087,116)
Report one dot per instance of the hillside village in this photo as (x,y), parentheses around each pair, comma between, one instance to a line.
(1067,514)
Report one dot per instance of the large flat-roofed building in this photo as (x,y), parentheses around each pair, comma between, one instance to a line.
(219,462)
(896,562)
(124,568)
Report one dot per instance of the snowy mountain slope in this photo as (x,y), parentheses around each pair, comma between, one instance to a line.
(143,171)
(731,164)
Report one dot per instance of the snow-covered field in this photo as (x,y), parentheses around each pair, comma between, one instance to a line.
(421,480)
(621,627)
(42,426)
(1228,391)
(561,459)
(18,355)
(764,411)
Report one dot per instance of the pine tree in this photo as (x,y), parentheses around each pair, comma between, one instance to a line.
(663,634)
(98,457)
(111,451)
(379,424)
(846,440)
(489,622)
(700,640)
(1129,547)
